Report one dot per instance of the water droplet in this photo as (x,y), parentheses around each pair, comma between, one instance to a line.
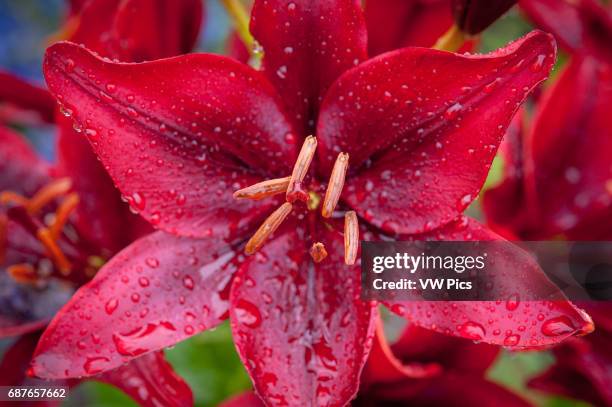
(188,282)
(138,201)
(471,330)
(513,302)
(558,326)
(95,364)
(111,306)
(512,340)
(248,314)
(152,262)
(143,339)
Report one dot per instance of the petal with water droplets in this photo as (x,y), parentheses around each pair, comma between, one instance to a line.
(138,303)
(307,44)
(151,381)
(511,323)
(175,134)
(421,149)
(301,329)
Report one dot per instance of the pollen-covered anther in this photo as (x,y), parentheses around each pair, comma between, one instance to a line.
(295,188)
(263,189)
(336,183)
(318,252)
(23,273)
(267,228)
(351,237)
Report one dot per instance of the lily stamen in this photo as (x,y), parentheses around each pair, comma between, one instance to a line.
(55,252)
(318,252)
(267,228)
(300,169)
(10,197)
(336,183)
(351,237)
(23,273)
(263,189)
(48,193)
(63,212)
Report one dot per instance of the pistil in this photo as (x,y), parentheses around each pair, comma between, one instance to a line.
(351,237)
(336,183)
(295,188)
(267,228)
(263,189)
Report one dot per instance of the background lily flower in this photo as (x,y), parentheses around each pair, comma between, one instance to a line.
(180,135)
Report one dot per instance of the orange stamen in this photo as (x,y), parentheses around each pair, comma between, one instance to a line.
(336,183)
(46,238)
(267,228)
(23,273)
(300,169)
(48,193)
(7,197)
(62,214)
(318,252)
(351,237)
(263,189)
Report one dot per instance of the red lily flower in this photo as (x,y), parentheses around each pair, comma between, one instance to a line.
(202,126)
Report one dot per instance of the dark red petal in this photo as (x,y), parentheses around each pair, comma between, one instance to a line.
(570,150)
(248,399)
(430,123)
(307,44)
(155,293)
(151,381)
(17,93)
(301,330)
(139,30)
(582,27)
(473,16)
(449,390)
(16,359)
(582,370)
(384,367)
(24,308)
(513,322)
(174,133)
(396,24)
(419,345)
(236,49)
(101,217)
(21,170)
(506,205)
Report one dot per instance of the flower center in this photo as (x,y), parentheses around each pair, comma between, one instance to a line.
(48,229)
(295,191)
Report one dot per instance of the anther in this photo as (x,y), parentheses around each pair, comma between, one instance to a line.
(23,273)
(336,183)
(318,252)
(300,169)
(267,228)
(63,212)
(10,197)
(48,193)
(351,237)
(263,189)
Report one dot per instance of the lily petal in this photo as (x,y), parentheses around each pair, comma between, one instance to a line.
(16,359)
(155,293)
(176,149)
(300,328)
(430,142)
(581,27)
(396,24)
(473,17)
(24,96)
(246,399)
(512,323)
(307,44)
(151,381)
(139,30)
